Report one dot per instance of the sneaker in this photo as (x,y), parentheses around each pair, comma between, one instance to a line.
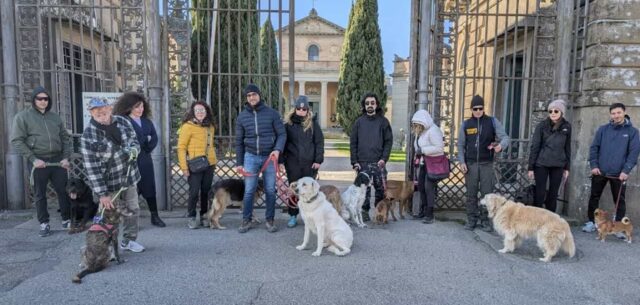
(45,230)
(132,246)
(589,227)
(293,221)
(193,223)
(621,235)
(271,227)
(428,220)
(245,226)
(365,216)
(66,224)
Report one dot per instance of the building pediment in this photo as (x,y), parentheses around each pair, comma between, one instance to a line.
(315,25)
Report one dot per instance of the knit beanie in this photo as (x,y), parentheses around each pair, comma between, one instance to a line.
(477,101)
(252,88)
(558,104)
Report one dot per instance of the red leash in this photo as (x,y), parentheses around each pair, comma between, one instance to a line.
(284,192)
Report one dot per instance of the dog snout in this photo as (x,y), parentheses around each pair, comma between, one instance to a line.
(73,196)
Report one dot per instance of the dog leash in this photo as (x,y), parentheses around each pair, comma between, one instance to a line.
(46,164)
(287,196)
(98,219)
(622,185)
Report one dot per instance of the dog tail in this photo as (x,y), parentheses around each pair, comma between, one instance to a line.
(568,246)
(78,277)
(626,220)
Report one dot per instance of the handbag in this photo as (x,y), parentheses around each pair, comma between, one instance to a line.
(201,163)
(438,167)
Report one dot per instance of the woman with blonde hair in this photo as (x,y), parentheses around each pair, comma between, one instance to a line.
(428,142)
(304,150)
(197,158)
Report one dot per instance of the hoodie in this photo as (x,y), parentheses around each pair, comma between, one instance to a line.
(430,142)
(615,148)
(38,135)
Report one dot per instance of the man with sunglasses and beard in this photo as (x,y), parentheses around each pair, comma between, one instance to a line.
(40,136)
(477,146)
(370,143)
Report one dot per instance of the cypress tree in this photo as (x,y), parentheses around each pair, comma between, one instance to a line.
(361,67)
(269,69)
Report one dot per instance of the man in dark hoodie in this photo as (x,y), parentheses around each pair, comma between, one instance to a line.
(370,143)
(260,136)
(476,149)
(612,156)
(40,136)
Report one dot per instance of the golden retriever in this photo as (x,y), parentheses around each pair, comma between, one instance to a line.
(517,222)
(401,191)
(321,218)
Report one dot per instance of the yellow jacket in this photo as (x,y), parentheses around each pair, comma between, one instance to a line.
(192,142)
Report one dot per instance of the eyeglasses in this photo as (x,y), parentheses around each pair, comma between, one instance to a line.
(42,98)
(478,109)
(301,109)
(370,103)
(554,111)
(199,110)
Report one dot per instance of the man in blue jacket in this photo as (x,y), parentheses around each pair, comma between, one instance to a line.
(612,156)
(260,136)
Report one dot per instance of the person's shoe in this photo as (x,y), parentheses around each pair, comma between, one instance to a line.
(418,217)
(365,216)
(112,254)
(156,221)
(620,235)
(132,246)
(204,222)
(245,226)
(428,218)
(45,230)
(193,223)
(66,224)
(271,227)
(470,225)
(589,227)
(293,221)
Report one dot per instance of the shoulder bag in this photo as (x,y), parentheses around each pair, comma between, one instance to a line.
(201,163)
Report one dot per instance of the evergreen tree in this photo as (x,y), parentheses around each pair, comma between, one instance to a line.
(235,59)
(269,69)
(361,67)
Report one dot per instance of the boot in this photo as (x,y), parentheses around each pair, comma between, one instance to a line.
(429,216)
(156,221)
(486,226)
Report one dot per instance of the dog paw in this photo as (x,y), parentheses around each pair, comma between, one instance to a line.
(545,259)
(222,228)
(316,253)
(503,250)
(300,247)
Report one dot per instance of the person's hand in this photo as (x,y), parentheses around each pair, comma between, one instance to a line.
(37,163)
(530,174)
(381,163)
(315,165)
(240,169)
(274,154)
(497,148)
(566,174)
(65,164)
(463,168)
(623,177)
(357,167)
(596,172)
(133,153)
(186,173)
(105,201)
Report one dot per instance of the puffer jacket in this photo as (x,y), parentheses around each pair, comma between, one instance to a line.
(259,131)
(430,142)
(551,145)
(192,142)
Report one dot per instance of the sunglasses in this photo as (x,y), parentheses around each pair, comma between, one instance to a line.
(301,109)
(42,98)
(199,110)
(478,109)
(554,111)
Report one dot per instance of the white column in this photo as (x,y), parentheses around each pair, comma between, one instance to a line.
(324,105)
(301,88)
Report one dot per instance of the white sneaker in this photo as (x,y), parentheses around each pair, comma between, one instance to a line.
(66,224)
(132,246)
(621,235)
(589,227)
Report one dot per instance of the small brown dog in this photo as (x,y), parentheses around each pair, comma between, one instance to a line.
(384,207)
(607,227)
(402,192)
(333,195)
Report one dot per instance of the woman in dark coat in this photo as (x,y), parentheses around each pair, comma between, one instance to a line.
(135,107)
(304,149)
(550,155)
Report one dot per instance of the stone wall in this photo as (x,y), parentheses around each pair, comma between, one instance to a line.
(612,74)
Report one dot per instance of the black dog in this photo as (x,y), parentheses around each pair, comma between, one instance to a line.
(83,208)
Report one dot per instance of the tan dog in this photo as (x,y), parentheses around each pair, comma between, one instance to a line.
(517,222)
(384,207)
(401,192)
(223,194)
(607,227)
(333,195)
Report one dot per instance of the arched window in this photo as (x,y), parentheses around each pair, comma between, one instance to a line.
(314,52)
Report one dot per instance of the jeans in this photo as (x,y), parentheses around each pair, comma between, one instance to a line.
(597,186)
(58,177)
(541,174)
(252,165)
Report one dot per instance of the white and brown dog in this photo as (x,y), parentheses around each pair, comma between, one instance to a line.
(353,198)
(321,218)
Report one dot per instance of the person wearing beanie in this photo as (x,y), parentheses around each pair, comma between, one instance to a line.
(40,136)
(550,152)
(260,137)
(304,150)
(370,145)
(479,139)
(612,157)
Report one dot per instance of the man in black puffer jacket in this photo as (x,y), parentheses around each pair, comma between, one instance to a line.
(260,135)
(371,141)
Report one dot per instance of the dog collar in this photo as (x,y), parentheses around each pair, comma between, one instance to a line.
(313,198)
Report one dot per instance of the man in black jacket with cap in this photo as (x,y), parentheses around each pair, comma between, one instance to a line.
(371,141)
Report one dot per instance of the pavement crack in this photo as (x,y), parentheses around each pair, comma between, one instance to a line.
(257,296)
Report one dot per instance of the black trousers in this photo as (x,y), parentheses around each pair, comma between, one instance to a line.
(597,186)
(377,174)
(427,190)
(58,177)
(554,175)
(295,172)
(199,186)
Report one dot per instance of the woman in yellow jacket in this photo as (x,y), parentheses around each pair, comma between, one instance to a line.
(195,139)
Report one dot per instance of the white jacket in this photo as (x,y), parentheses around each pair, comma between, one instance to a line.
(430,142)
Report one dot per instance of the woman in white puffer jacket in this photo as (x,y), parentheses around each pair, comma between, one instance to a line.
(428,142)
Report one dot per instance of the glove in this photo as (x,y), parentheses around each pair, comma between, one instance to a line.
(133,154)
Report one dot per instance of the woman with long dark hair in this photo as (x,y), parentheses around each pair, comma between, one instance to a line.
(195,140)
(134,107)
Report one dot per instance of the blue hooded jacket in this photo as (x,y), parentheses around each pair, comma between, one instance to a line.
(615,148)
